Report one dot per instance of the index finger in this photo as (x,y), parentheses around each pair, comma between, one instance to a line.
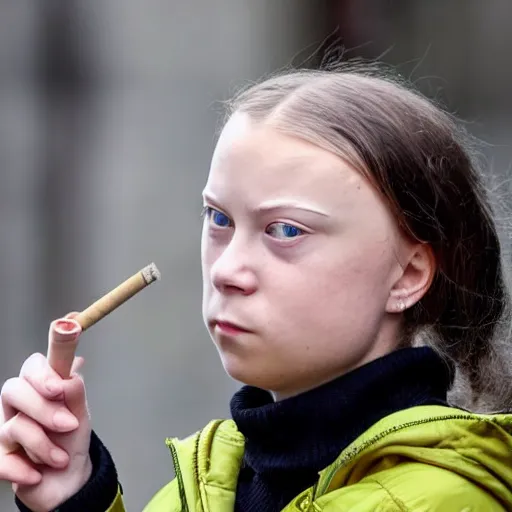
(46,381)
(34,370)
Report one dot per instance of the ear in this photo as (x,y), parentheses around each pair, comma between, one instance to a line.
(417,276)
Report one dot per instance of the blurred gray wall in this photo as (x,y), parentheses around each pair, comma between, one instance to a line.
(107,117)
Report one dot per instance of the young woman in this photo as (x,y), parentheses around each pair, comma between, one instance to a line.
(352,273)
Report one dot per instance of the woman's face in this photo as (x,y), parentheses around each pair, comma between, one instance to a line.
(299,255)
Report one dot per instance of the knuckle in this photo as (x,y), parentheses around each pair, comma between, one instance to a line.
(37,382)
(22,428)
(33,364)
(9,388)
(36,356)
(32,437)
(9,431)
(6,432)
(24,432)
(20,421)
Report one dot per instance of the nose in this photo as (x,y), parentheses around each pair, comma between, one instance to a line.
(233,271)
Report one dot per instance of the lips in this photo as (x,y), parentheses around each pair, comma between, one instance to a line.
(229,327)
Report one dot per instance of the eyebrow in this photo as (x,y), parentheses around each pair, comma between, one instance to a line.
(279,204)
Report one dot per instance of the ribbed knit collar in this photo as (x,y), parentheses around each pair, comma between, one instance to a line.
(308,431)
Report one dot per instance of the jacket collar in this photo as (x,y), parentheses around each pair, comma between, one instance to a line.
(208,463)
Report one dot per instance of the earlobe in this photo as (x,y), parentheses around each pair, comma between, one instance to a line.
(416,279)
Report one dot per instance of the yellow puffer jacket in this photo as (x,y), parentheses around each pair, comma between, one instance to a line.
(428,458)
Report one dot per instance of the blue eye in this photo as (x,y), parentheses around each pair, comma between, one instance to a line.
(220,219)
(284,231)
(216,217)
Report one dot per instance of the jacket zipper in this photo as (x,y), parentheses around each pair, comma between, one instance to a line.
(179,475)
(358,449)
(196,456)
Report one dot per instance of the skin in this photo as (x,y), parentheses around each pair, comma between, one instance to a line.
(318,301)
(45,433)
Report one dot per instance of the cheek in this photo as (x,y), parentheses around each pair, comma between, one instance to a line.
(207,258)
(212,246)
(363,277)
(208,249)
(329,292)
(206,264)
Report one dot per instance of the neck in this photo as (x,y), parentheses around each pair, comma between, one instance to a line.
(385,343)
(288,443)
(278,435)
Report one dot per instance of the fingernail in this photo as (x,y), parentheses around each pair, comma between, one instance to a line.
(58,456)
(65,420)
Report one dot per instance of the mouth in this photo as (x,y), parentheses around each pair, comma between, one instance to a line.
(230,328)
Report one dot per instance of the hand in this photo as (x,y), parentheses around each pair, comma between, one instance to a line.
(44,434)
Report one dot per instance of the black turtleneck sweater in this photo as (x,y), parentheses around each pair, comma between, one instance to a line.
(289,442)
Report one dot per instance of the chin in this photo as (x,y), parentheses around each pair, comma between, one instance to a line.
(250,375)
(237,371)
(244,373)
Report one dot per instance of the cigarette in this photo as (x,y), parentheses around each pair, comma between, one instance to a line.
(64,333)
(118,296)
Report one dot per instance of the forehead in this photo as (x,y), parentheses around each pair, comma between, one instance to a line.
(260,163)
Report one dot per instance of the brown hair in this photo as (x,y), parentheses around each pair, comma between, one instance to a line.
(423,164)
